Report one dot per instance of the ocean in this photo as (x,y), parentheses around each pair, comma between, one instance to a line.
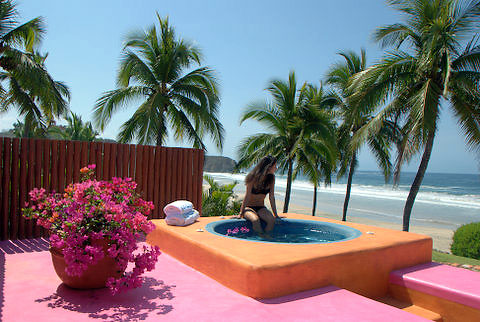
(444,200)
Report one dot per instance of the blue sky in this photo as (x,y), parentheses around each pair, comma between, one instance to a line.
(247,42)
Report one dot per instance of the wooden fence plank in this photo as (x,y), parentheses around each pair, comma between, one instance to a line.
(38,176)
(13,217)
(144,172)
(139,169)
(69,172)
(150,173)
(84,157)
(168,177)
(200,180)
(176,173)
(99,160)
(132,159)
(162,181)
(194,178)
(185,164)
(179,179)
(113,161)
(125,160)
(55,170)
(62,149)
(77,157)
(106,161)
(7,142)
(46,178)
(156,183)
(47,182)
(189,175)
(119,164)
(145,177)
(31,182)
(92,149)
(22,193)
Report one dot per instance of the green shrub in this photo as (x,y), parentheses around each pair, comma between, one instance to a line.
(219,200)
(466,241)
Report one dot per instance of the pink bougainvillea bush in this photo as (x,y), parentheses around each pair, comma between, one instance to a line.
(91,211)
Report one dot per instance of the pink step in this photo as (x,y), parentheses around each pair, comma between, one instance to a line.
(172,292)
(451,283)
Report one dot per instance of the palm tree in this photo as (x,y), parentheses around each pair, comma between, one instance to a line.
(354,114)
(434,68)
(19,131)
(285,116)
(154,71)
(76,129)
(29,87)
(317,155)
(36,96)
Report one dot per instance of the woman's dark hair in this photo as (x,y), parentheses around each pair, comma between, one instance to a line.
(259,174)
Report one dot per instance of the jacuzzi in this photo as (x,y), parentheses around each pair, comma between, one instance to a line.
(260,270)
(286,231)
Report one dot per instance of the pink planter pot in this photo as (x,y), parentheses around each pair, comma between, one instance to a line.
(94,277)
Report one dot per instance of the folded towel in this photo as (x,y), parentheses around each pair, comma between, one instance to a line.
(182,219)
(178,207)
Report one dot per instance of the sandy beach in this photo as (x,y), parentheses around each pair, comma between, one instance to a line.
(442,238)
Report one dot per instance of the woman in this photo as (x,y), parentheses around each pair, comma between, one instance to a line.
(260,182)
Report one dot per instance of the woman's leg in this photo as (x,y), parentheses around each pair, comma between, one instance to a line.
(252,216)
(268,218)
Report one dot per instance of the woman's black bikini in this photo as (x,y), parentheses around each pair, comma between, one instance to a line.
(256,208)
(263,191)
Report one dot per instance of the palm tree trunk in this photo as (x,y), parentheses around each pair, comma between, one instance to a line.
(289,186)
(27,127)
(314,200)
(417,181)
(349,186)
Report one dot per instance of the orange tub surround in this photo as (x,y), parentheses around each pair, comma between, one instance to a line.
(268,270)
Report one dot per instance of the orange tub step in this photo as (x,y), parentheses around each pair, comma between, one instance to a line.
(452,292)
(410,308)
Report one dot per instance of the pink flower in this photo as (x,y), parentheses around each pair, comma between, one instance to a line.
(93,210)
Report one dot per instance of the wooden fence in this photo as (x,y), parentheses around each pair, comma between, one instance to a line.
(162,174)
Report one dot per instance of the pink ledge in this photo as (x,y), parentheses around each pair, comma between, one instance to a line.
(172,292)
(451,283)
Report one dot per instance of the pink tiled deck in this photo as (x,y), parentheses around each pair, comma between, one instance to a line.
(32,292)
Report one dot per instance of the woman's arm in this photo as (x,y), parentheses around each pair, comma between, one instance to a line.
(271,197)
(248,191)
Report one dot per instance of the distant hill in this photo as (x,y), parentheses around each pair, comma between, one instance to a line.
(218,164)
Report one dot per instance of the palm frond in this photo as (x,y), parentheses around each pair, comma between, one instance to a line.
(111,101)
(466,17)
(27,35)
(132,67)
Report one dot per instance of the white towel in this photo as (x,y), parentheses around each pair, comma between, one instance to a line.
(178,207)
(182,219)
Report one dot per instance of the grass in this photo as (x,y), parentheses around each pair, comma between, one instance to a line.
(449,258)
